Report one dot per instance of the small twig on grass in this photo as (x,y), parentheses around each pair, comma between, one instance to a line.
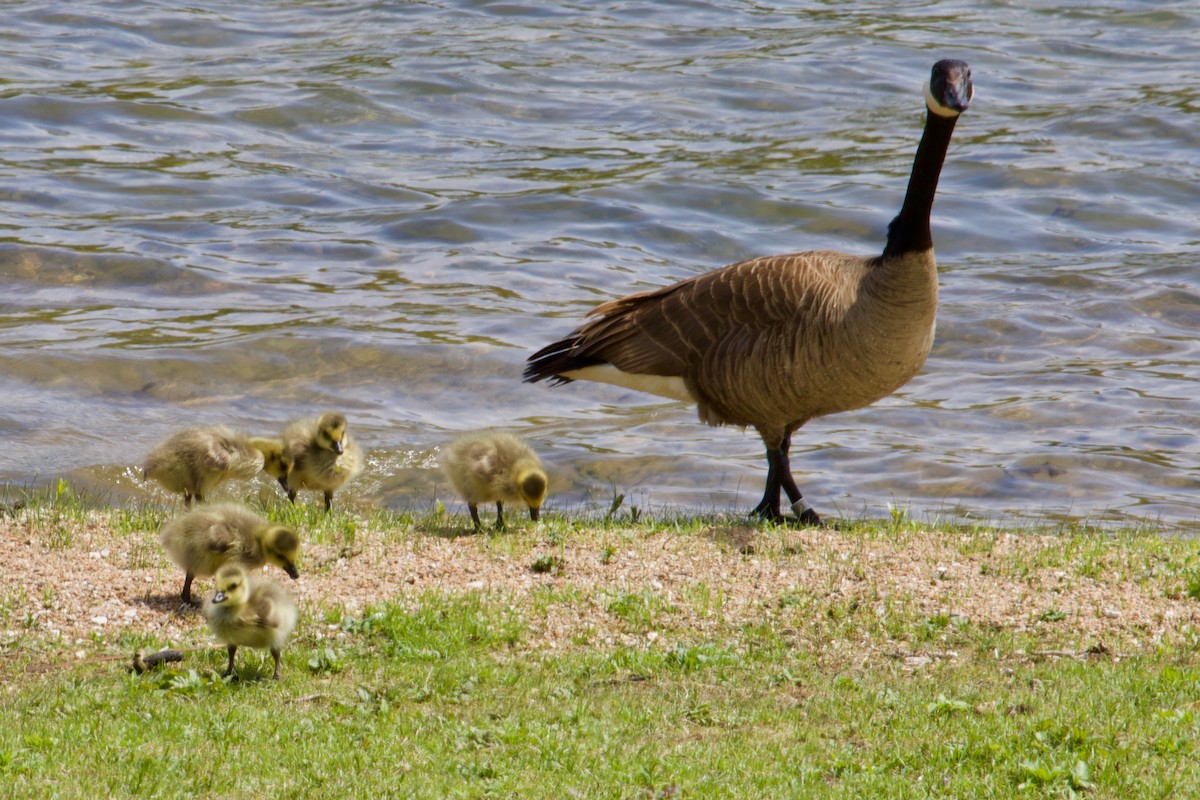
(947,655)
(308,698)
(144,663)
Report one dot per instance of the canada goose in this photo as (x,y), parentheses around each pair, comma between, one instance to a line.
(250,610)
(776,341)
(486,467)
(276,462)
(195,460)
(324,457)
(203,539)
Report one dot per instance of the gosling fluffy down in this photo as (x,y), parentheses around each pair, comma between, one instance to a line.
(205,538)
(276,461)
(195,461)
(323,455)
(490,467)
(250,610)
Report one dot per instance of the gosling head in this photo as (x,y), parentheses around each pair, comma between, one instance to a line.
(331,432)
(532,485)
(949,90)
(233,586)
(281,546)
(276,462)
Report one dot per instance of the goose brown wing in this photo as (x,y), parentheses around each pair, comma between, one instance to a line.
(701,323)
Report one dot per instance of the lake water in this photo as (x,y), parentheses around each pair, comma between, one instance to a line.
(247,212)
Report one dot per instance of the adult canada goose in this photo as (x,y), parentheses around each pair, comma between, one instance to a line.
(250,610)
(776,341)
(195,460)
(276,462)
(202,540)
(324,457)
(490,467)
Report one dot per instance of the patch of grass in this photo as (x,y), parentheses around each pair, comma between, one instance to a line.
(438,625)
(548,564)
(439,694)
(639,610)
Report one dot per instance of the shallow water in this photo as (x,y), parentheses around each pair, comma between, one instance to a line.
(243,213)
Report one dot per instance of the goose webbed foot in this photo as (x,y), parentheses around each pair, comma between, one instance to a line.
(768,509)
(805,514)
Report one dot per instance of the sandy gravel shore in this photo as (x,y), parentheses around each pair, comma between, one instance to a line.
(71,587)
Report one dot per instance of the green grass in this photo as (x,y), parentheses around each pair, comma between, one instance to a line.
(438,697)
(452,694)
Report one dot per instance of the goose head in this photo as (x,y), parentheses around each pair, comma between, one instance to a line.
(233,587)
(532,485)
(281,546)
(331,432)
(949,90)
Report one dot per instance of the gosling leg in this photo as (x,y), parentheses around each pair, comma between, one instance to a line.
(229,670)
(276,654)
(186,594)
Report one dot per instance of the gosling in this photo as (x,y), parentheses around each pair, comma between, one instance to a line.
(250,610)
(195,461)
(324,457)
(276,461)
(487,466)
(204,539)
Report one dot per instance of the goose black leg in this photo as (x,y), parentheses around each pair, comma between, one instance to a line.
(768,507)
(779,477)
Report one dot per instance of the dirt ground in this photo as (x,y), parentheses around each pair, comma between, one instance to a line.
(70,589)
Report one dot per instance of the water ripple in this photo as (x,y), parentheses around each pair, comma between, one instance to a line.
(240,212)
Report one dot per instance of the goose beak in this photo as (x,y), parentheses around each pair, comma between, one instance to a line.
(219,597)
(291,570)
(534,513)
(958,95)
(338,448)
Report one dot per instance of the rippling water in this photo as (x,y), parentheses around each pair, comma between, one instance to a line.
(244,212)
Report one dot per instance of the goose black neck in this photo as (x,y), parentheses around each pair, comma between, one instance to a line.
(909,231)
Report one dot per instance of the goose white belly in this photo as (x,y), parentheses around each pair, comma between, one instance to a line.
(669,386)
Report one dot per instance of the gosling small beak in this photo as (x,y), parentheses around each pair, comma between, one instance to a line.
(219,597)
(534,513)
(338,448)
(290,569)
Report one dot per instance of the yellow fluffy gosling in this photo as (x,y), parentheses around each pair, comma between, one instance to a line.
(250,610)
(195,461)
(490,467)
(324,457)
(205,538)
(276,462)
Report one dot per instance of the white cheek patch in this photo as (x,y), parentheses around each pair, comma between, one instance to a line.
(669,386)
(939,109)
